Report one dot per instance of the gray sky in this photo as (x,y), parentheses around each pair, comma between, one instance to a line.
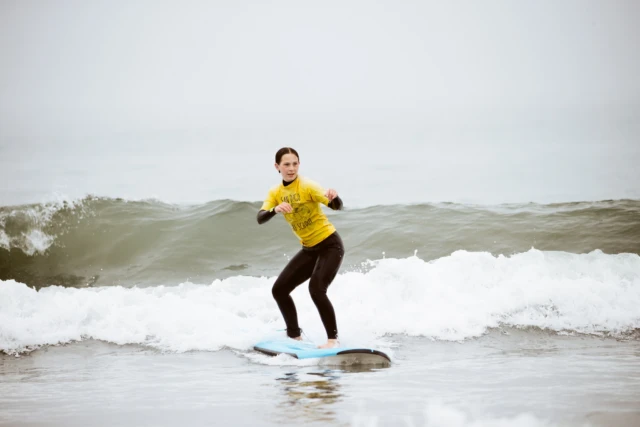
(198,64)
(489,101)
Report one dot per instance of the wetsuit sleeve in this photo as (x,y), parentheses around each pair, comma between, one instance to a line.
(267,210)
(336,203)
(264,216)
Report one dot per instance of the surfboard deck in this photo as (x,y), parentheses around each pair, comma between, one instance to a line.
(308,350)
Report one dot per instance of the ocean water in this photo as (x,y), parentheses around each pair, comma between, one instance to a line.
(143,310)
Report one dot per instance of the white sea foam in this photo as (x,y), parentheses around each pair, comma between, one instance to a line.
(456,297)
(5,242)
(29,224)
(36,241)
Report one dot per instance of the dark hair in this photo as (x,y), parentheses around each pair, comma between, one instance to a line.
(285,150)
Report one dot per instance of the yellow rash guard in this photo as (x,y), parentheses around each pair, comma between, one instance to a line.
(308,221)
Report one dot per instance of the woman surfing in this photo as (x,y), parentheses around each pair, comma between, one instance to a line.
(299,200)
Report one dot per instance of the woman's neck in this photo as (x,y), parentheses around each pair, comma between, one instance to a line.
(285,183)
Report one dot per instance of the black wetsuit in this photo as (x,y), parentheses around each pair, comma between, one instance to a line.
(320,264)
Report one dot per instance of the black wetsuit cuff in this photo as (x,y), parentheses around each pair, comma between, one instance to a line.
(336,203)
(264,216)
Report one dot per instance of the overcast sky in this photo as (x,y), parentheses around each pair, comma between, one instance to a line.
(119,64)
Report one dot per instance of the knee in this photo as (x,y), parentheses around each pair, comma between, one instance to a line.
(317,291)
(278,291)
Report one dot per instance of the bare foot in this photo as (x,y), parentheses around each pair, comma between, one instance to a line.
(330,344)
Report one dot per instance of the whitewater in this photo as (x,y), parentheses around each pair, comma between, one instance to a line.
(458,297)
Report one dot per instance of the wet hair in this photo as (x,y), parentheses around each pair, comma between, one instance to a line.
(285,150)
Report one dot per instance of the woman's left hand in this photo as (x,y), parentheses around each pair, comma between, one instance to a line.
(331,194)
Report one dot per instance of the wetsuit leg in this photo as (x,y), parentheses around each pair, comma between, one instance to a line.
(295,273)
(330,255)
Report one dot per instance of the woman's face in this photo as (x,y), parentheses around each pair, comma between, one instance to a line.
(288,167)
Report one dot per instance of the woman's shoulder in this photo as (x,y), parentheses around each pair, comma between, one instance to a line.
(308,182)
(274,188)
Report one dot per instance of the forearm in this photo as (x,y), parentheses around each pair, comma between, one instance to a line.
(264,216)
(336,203)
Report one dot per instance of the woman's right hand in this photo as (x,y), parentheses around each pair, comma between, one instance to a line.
(284,207)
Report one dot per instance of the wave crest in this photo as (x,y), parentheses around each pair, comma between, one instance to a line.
(102,241)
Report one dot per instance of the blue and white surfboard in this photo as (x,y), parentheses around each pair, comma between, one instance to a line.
(308,350)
